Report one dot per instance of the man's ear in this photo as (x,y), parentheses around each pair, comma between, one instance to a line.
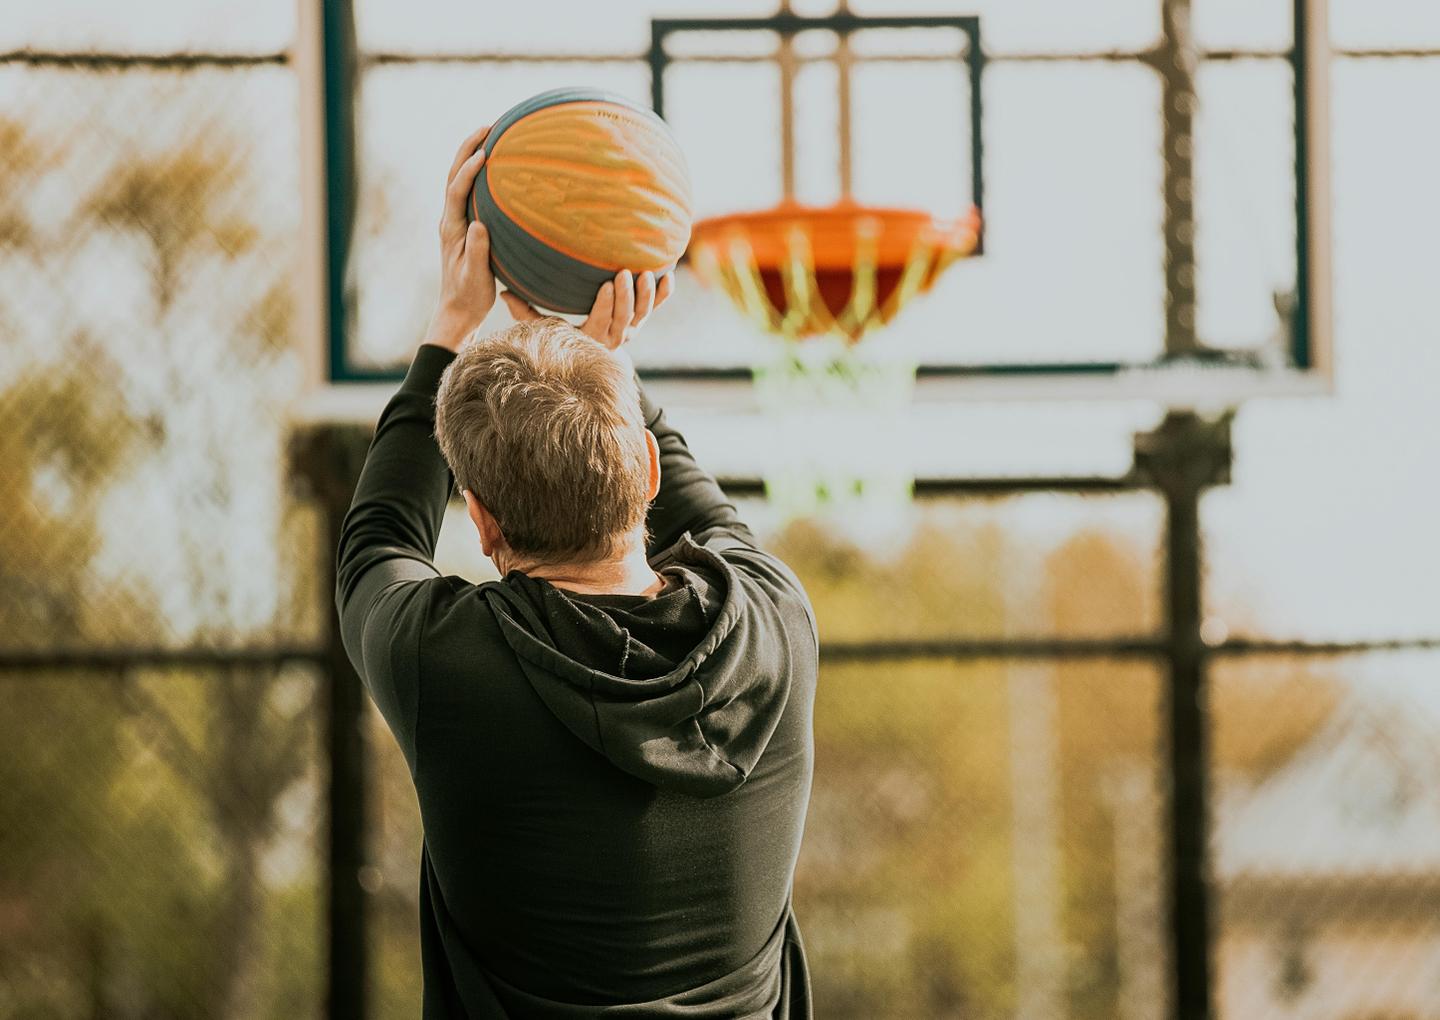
(485,525)
(652,447)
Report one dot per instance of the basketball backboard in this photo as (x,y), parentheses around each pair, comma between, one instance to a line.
(1154,183)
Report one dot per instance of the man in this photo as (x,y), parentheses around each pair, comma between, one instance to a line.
(611,745)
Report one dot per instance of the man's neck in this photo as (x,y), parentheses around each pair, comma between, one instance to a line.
(626,574)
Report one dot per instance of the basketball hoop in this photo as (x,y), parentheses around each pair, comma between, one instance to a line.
(801,271)
(832,276)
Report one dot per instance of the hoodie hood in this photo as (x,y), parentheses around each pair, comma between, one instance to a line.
(682,690)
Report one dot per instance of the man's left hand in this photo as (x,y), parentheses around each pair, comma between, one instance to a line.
(620,309)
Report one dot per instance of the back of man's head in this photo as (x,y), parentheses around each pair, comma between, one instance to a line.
(543,426)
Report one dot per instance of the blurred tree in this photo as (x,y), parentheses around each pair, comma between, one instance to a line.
(236,749)
(142,813)
(65,438)
(22,159)
(179,202)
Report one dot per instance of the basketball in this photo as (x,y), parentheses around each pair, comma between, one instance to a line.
(577,185)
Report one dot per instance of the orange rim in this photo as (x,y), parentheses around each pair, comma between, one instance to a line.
(833,231)
(800,271)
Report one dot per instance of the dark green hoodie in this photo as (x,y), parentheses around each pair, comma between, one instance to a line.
(613,787)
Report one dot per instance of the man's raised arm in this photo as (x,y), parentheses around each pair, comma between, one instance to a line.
(400,501)
(394,519)
(389,535)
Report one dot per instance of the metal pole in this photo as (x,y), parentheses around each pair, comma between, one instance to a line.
(1310,323)
(1176,60)
(1189,829)
(341,80)
(844,69)
(329,465)
(347,977)
(975,66)
(787,110)
(1183,456)
(327,460)
(658,62)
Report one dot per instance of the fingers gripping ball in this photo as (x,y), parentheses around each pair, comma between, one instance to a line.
(577,185)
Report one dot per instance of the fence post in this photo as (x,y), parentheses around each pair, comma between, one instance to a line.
(328,458)
(1182,457)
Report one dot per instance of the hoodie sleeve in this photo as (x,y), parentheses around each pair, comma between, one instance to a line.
(388,540)
(689,499)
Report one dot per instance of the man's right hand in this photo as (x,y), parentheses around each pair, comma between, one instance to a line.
(467,286)
(620,309)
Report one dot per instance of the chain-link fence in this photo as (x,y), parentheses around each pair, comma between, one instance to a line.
(147,273)
(1327,836)
(161,819)
(160,830)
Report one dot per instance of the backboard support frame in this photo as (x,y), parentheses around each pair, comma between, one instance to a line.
(844,24)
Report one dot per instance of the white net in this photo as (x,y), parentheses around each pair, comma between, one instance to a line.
(837,412)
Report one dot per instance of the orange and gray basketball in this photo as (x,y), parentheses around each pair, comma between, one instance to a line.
(579,184)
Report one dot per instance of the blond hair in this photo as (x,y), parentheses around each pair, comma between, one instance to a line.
(544,426)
